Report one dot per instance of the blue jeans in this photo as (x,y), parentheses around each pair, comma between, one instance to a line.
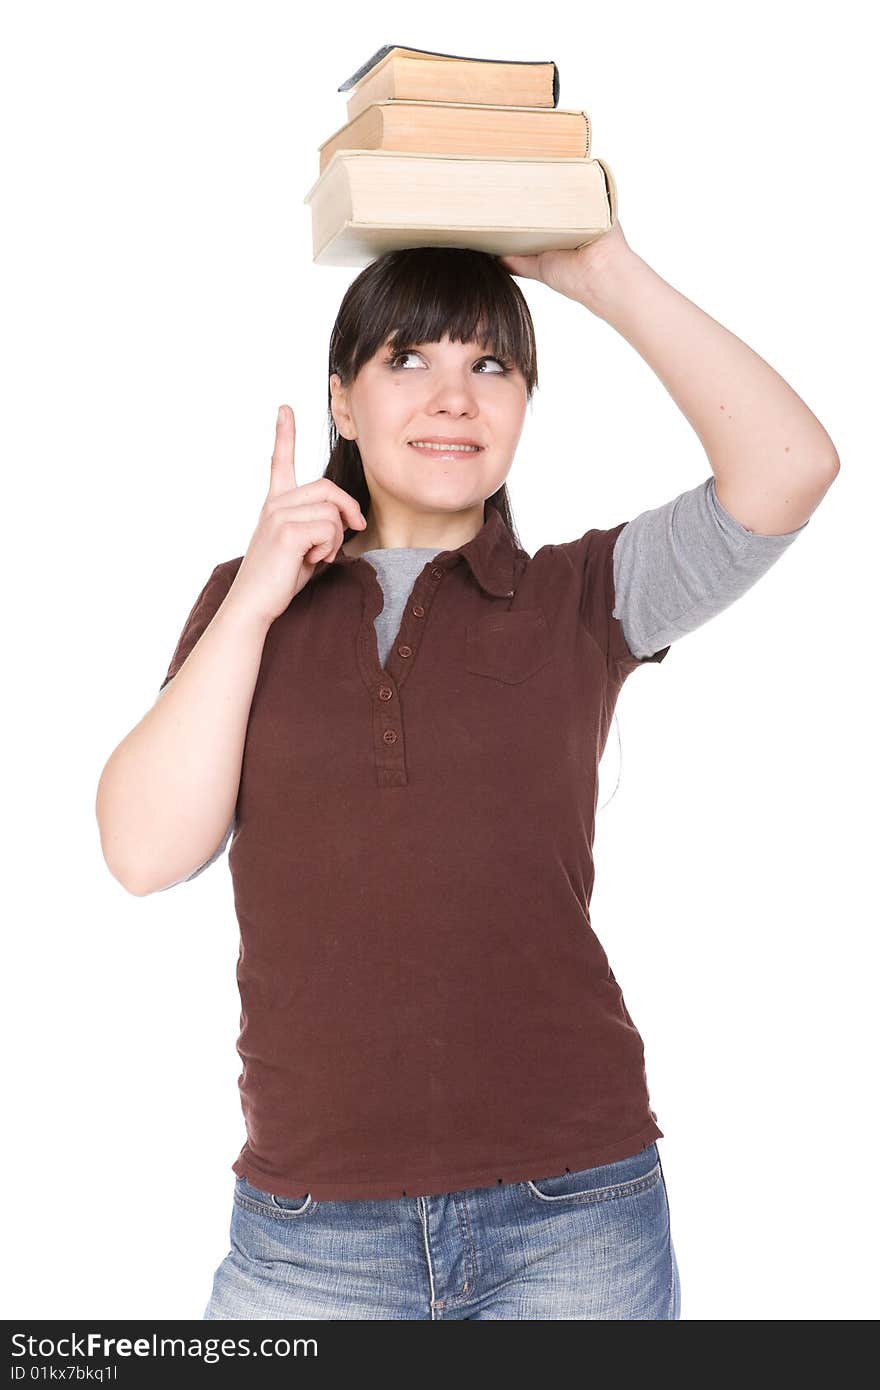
(588,1244)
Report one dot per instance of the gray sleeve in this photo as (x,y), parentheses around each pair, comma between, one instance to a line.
(208,862)
(678,565)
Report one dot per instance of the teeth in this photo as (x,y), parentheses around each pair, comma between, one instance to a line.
(445,448)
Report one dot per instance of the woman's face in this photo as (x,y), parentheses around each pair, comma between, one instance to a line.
(446,389)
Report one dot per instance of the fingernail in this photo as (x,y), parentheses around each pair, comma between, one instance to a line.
(280,414)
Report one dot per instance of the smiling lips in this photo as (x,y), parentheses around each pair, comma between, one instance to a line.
(431,447)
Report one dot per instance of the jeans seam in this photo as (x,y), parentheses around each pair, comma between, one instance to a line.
(668,1241)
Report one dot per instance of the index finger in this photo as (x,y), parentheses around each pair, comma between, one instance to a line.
(282,475)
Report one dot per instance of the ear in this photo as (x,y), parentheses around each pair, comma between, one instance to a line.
(339,406)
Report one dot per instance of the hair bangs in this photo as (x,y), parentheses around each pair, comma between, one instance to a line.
(422,294)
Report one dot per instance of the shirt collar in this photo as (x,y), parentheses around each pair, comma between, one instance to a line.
(492,554)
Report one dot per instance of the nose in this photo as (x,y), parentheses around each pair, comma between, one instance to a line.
(454,393)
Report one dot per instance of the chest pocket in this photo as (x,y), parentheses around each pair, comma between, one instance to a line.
(508,646)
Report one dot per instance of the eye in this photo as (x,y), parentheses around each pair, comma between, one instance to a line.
(504,367)
(392,361)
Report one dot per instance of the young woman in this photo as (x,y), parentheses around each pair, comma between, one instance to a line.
(398,714)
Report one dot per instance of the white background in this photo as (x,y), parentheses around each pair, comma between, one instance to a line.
(159,302)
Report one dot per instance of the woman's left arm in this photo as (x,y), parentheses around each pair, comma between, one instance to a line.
(773,461)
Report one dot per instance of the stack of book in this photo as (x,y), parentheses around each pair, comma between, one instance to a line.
(441,150)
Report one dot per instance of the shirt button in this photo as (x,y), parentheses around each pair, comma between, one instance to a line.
(405,651)
(418,610)
(390,736)
(436,572)
(385,692)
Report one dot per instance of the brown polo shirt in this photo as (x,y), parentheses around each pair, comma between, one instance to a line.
(425,1006)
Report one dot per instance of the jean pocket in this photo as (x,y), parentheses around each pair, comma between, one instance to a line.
(605,1183)
(508,646)
(271,1203)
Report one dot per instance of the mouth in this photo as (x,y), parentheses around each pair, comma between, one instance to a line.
(446,451)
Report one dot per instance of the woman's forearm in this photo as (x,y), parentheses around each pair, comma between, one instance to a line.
(770,455)
(168,792)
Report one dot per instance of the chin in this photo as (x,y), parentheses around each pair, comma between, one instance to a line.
(437,502)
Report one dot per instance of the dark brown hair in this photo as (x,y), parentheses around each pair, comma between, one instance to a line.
(418,295)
